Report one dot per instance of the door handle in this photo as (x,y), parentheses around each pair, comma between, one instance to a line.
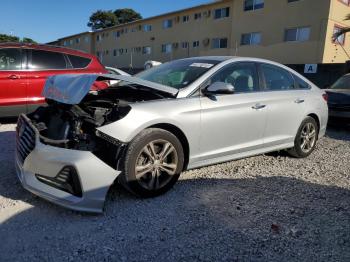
(299,101)
(13,77)
(258,106)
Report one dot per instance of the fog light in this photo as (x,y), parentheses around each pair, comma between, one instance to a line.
(66,180)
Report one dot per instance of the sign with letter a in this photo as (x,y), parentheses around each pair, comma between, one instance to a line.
(310,69)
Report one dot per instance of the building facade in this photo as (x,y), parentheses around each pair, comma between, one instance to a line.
(286,31)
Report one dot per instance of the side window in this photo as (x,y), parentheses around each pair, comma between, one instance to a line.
(277,78)
(45,60)
(78,61)
(10,59)
(301,84)
(242,76)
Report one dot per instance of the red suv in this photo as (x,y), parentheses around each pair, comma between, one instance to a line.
(25,67)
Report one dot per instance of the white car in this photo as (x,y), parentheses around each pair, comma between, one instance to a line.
(146,130)
(149,64)
(116,71)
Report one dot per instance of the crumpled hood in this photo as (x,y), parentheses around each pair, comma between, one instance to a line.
(72,88)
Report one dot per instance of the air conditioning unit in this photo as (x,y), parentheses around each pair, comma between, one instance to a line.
(175,45)
(153,38)
(206,41)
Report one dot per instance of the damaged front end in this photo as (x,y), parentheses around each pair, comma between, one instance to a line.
(68,160)
(72,117)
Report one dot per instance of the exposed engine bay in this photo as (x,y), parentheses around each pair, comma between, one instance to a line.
(74,126)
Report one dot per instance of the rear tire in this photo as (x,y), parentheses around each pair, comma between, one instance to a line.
(306,139)
(153,163)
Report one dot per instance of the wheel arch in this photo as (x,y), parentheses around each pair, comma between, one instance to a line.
(317,119)
(180,135)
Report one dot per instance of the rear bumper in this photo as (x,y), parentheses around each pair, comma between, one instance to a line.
(95,177)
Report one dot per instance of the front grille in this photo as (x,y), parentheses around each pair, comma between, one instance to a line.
(25,139)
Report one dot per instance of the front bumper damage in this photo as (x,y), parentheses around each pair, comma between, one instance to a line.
(35,160)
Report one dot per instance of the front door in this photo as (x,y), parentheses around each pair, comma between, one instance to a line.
(232,124)
(13,93)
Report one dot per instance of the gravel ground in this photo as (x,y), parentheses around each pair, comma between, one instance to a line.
(265,208)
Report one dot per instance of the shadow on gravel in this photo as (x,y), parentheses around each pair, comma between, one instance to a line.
(263,219)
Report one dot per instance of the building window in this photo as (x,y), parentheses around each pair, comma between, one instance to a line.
(99,38)
(346,2)
(147,28)
(168,23)
(115,52)
(167,48)
(251,39)
(146,50)
(197,16)
(253,5)
(219,43)
(134,29)
(299,34)
(117,34)
(86,39)
(195,44)
(341,38)
(71,42)
(185,18)
(221,13)
(120,52)
(77,40)
(65,43)
(184,44)
(291,1)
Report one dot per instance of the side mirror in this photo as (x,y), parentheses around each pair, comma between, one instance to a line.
(219,88)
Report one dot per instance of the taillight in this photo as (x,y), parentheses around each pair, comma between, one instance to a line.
(325,97)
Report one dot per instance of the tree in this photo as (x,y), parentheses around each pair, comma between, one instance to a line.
(126,15)
(28,40)
(102,19)
(16,39)
(8,38)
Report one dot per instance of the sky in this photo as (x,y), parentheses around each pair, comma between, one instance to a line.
(48,20)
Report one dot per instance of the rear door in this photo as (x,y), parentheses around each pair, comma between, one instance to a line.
(285,104)
(43,64)
(13,94)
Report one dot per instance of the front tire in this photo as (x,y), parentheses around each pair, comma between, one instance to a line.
(306,139)
(153,163)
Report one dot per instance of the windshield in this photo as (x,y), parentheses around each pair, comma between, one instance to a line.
(178,74)
(342,83)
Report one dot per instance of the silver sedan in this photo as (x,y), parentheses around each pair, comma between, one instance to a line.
(145,130)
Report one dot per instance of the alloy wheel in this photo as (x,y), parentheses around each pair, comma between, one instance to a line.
(308,137)
(156,164)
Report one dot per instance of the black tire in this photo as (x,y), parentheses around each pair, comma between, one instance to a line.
(297,151)
(135,152)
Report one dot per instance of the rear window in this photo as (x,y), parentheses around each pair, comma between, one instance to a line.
(46,60)
(78,61)
(301,84)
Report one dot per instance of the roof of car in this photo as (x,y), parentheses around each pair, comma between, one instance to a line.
(44,47)
(213,58)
